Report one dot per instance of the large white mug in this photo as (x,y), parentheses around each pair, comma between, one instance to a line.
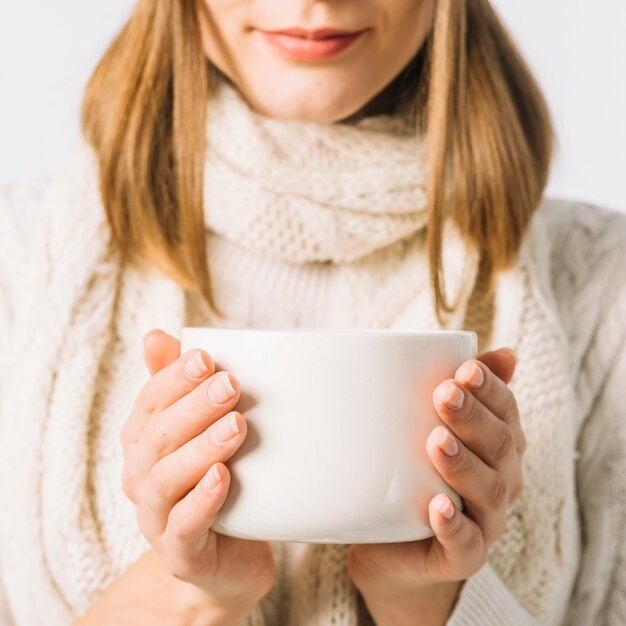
(337,425)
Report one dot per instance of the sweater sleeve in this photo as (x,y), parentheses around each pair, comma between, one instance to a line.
(486,601)
(590,285)
(599,597)
(600,593)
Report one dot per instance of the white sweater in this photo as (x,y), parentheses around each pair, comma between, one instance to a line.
(589,284)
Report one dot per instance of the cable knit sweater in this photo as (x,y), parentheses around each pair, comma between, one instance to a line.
(327,233)
(588,283)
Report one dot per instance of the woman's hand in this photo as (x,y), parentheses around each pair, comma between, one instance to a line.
(479,455)
(146,594)
(180,432)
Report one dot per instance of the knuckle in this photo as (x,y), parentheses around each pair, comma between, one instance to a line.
(144,523)
(146,400)
(504,446)
(128,484)
(497,492)
(179,527)
(160,482)
(523,444)
(511,410)
(157,438)
(474,544)
(518,488)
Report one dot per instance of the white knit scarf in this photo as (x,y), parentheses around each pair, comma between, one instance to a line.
(352,194)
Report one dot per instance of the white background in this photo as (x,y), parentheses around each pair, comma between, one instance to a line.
(576,48)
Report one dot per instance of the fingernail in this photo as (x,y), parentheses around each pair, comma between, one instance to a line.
(210,480)
(225,428)
(447,442)
(471,375)
(446,508)
(453,397)
(221,389)
(195,367)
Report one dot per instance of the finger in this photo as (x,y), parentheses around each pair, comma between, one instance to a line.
(189,416)
(484,490)
(190,520)
(171,478)
(164,388)
(494,393)
(159,350)
(460,547)
(476,426)
(170,429)
(501,362)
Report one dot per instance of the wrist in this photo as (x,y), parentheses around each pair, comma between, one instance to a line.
(200,609)
(220,616)
(429,606)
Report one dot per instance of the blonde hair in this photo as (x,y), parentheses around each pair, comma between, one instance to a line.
(487,125)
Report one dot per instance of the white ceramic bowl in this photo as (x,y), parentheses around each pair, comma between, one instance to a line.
(337,425)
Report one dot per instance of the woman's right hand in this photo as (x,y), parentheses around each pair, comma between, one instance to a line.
(175,442)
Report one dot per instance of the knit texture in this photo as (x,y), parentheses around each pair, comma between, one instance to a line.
(79,321)
(256,192)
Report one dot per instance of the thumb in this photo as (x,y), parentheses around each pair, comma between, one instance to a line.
(159,350)
(501,362)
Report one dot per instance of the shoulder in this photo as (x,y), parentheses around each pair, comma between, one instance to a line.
(20,204)
(20,210)
(588,267)
(41,220)
(588,276)
(587,245)
(73,196)
(25,205)
(67,217)
(584,238)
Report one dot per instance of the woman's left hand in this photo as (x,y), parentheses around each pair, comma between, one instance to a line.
(479,455)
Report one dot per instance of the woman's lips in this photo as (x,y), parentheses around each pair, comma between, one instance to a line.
(305,49)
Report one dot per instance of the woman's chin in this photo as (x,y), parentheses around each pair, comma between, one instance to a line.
(314,102)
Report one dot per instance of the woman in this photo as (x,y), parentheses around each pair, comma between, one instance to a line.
(393,179)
